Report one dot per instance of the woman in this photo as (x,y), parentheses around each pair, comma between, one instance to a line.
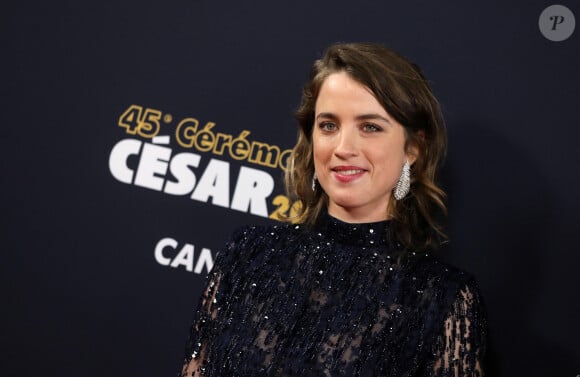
(351,289)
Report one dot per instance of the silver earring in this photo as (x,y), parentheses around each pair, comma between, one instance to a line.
(402,187)
(314,182)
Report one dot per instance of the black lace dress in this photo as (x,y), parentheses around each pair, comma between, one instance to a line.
(337,299)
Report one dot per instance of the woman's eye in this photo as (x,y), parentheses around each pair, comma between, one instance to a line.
(327,126)
(369,127)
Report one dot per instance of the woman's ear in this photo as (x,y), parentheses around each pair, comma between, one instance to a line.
(413,147)
(412,154)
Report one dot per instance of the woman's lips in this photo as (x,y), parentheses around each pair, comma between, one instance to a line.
(347,173)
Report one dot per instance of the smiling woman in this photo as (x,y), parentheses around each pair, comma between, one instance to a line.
(359,150)
(352,289)
(384,85)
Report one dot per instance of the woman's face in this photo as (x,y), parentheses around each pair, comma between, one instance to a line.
(359,150)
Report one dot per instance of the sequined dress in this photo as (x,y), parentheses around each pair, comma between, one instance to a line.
(336,299)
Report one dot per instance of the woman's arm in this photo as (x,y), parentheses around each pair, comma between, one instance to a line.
(460,348)
(196,349)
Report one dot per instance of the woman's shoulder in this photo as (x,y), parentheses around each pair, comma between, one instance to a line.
(443,287)
(264,234)
(431,270)
(254,241)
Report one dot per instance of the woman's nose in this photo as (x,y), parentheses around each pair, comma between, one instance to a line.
(347,143)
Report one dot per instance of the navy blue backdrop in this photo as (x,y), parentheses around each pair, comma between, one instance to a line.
(137,135)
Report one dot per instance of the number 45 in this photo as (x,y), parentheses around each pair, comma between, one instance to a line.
(135,121)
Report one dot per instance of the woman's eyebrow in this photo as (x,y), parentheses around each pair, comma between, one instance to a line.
(326,116)
(372,116)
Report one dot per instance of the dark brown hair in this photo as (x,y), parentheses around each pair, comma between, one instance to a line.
(405,94)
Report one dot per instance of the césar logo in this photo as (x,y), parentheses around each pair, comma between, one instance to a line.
(252,189)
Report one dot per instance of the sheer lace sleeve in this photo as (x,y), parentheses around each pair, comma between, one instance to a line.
(460,348)
(200,333)
(206,321)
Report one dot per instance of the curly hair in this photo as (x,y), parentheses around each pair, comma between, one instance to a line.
(402,90)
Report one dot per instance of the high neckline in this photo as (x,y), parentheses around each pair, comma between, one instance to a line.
(361,234)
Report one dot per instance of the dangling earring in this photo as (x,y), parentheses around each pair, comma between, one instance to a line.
(402,187)
(314,182)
